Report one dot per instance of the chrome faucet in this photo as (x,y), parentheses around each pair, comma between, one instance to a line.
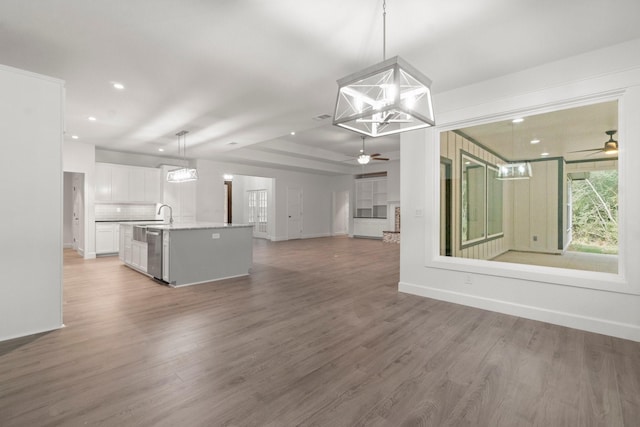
(170,212)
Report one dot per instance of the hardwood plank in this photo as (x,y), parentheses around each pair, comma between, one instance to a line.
(317,335)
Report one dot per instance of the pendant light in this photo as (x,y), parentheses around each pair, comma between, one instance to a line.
(514,170)
(185,174)
(386,98)
(520,170)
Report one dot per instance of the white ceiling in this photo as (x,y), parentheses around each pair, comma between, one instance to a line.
(252,71)
(559,133)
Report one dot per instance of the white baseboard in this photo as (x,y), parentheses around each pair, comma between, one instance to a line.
(304,236)
(25,334)
(89,255)
(315,236)
(67,245)
(585,323)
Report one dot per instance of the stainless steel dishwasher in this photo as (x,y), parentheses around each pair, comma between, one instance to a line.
(154,253)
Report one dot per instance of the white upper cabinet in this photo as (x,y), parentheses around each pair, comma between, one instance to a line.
(136,184)
(121,183)
(152,185)
(103,182)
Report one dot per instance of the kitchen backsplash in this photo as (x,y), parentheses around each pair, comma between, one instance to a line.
(116,212)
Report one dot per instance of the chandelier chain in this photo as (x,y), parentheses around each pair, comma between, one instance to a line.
(384,30)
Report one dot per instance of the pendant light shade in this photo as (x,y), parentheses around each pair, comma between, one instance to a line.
(182,175)
(387,98)
(185,174)
(521,170)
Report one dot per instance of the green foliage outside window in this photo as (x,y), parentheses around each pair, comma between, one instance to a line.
(595,213)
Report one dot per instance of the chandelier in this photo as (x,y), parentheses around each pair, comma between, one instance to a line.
(184,174)
(386,98)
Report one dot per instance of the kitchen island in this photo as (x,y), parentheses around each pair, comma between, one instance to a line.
(200,252)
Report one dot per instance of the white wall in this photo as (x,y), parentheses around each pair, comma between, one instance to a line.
(317,193)
(67,211)
(598,302)
(31,107)
(79,157)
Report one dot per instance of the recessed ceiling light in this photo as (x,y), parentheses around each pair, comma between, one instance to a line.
(544,154)
(118,86)
(160,149)
(292,133)
(93,119)
(74,136)
(518,120)
(535,141)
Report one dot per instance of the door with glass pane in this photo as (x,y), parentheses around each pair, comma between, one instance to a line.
(257,212)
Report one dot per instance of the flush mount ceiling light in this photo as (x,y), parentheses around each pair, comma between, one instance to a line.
(386,98)
(185,174)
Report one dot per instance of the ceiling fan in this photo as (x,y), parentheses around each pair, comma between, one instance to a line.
(364,158)
(610,146)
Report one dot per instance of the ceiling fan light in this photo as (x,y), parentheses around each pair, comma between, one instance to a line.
(363,159)
(387,98)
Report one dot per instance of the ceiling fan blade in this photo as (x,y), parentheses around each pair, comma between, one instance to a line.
(595,153)
(379,158)
(582,151)
(375,155)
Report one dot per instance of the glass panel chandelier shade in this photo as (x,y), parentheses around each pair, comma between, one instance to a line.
(186,173)
(387,98)
(182,175)
(521,170)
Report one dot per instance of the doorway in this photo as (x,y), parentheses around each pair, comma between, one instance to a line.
(73,212)
(257,209)
(445,207)
(340,219)
(294,213)
(228,201)
(594,212)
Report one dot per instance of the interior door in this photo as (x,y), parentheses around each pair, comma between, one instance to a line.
(294,213)
(77,222)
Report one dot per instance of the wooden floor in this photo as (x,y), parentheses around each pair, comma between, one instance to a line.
(573,260)
(317,336)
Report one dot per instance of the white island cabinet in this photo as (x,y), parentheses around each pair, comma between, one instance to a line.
(194,253)
(133,253)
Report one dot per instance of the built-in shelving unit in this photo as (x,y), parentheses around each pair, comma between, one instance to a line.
(370,211)
(371,198)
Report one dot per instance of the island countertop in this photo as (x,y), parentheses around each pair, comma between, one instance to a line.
(196,226)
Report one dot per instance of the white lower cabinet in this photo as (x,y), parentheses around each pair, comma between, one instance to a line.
(126,236)
(107,238)
(369,227)
(139,255)
(165,256)
(132,252)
